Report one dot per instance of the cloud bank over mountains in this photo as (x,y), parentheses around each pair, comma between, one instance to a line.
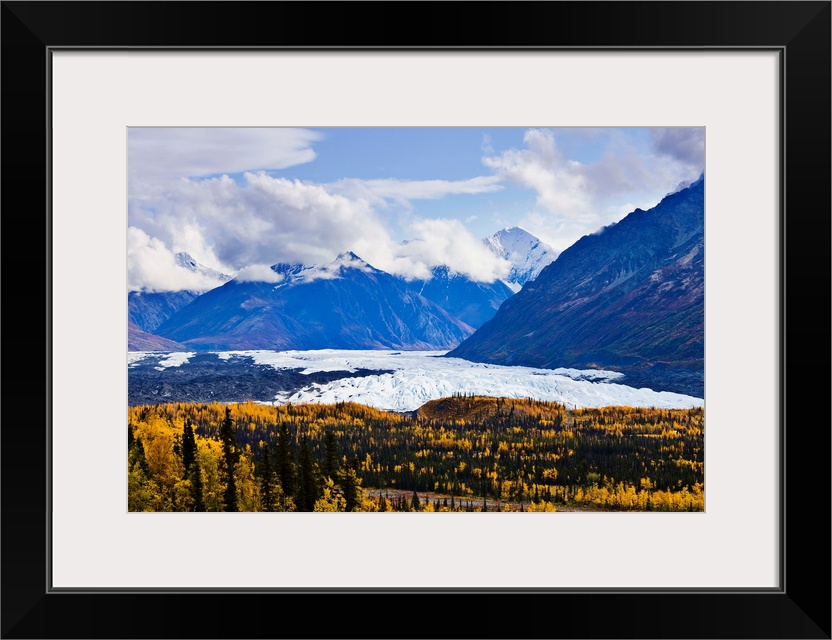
(229,198)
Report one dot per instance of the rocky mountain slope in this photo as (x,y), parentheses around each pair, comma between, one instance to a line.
(629,298)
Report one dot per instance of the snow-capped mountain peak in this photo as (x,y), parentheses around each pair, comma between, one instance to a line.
(186,261)
(348,260)
(301,273)
(527,254)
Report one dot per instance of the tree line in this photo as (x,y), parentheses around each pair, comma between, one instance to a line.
(466,451)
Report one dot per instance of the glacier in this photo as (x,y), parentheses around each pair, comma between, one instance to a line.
(421,376)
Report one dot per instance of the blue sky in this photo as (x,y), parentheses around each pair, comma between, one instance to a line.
(247,198)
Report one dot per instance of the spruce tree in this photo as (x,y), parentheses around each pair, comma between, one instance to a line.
(284,461)
(307,490)
(330,466)
(188,446)
(267,481)
(229,450)
(197,490)
(351,485)
(139,457)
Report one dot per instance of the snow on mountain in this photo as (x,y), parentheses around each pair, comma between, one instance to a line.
(420,376)
(186,261)
(343,304)
(148,310)
(301,273)
(527,254)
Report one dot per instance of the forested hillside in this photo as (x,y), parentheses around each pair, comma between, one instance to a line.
(461,453)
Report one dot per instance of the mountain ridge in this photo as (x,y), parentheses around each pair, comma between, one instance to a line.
(346,303)
(628,298)
(472,302)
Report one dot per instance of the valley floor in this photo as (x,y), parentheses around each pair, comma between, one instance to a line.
(389,380)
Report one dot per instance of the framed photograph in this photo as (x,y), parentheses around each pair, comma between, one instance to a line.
(361,343)
(157,138)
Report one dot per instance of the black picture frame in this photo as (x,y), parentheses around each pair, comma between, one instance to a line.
(799,31)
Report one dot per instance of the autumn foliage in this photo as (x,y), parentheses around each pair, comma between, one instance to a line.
(463,453)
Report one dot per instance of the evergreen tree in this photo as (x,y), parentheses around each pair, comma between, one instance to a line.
(197,489)
(139,456)
(229,451)
(267,481)
(351,485)
(284,463)
(188,446)
(308,490)
(414,503)
(330,466)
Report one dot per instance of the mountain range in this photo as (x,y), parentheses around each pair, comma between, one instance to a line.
(629,298)
(358,306)
(345,304)
(146,310)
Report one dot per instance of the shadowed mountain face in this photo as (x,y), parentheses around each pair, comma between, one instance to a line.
(469,301)
(148,310)
(629,298)
(344,305)
(277,317)
(139,340)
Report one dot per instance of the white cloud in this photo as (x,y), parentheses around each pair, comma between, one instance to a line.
(182,199)
(684,144)
(560,184)
(266,220)
(379,190)
(258,273)
(486,144)
(447,241)
(263,221)
(576,198)
(157,155)
(152,266)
